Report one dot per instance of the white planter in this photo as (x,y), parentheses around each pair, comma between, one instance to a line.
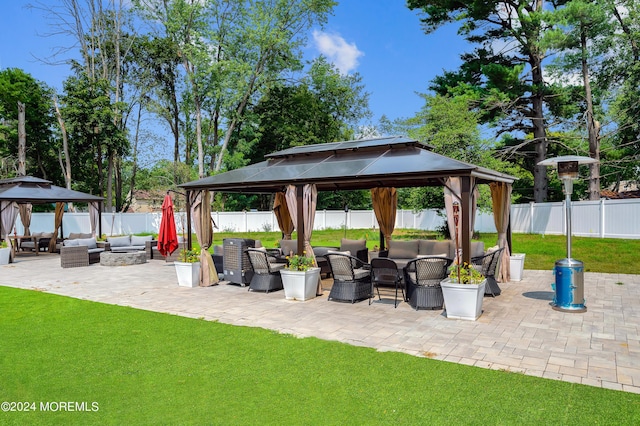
(516,265)
(463,301)
(188,274)
(300,285)
(4,255)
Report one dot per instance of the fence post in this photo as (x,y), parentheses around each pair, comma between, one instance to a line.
(602,213)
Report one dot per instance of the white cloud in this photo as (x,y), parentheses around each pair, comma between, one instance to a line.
(342,54)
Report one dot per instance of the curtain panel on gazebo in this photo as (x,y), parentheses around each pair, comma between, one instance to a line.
(94,216)
(283,216)
(501,201)
(200,202)
(25,217)
(385,204)
(57,223)
(8,214)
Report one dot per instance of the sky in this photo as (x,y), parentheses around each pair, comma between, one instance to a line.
(379,39)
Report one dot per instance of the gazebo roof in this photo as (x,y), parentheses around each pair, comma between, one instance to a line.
(29,189)
(360,164)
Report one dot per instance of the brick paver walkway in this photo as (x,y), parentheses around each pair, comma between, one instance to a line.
(518,331)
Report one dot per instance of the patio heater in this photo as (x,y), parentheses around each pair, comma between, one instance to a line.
(569,272)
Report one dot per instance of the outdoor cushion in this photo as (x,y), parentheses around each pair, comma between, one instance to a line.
(360,273)
(89,242)
(120,241)
(431,247)
(403,249)
(69,243)
(352,245)
(76,235)
(288,246)
(140,241)
(95,250)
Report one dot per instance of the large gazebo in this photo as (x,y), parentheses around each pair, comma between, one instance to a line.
(380,164)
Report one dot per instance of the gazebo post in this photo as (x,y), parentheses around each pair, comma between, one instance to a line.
(465,195)
(300,214)
(188,208)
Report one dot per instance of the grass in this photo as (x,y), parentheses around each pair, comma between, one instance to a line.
(542,251)
(143,368)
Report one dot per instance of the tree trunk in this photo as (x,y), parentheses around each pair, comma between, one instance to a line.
(593,127)
(66,167)
(540,181)
(22,141)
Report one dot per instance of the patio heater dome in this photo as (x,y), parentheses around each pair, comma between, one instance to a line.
(569,286)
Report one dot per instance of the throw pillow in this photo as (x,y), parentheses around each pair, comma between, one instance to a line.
(140,241)
(403,249)
(89,242)
(119,241)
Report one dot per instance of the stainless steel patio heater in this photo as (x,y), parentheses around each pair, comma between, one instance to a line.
(569,272)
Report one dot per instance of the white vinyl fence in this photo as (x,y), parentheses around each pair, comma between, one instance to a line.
(603,219)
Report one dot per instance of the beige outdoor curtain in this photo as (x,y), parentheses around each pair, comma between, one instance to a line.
(93,217)
(25,217)
(283,216)
(309,202)
(8,214)
(452,194)
(57,222)
(501,200)
(385,205)
(201,214)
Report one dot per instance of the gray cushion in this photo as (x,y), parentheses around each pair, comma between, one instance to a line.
(288,246)
(119,241)
(435,247)
(361,273)
(140,241)
(75,235)
(354,246)
(46,235)
(95,250)
(69,243)
(321,251)
(89,242)
(403,249)
(477,248)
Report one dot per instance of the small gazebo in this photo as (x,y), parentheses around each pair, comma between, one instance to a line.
(17,195)
(380,164)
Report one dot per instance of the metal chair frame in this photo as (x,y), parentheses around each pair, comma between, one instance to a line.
(384,272)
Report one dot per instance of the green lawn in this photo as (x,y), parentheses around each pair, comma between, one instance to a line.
(142,368)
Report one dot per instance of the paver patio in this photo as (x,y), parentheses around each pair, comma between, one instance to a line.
(518,331)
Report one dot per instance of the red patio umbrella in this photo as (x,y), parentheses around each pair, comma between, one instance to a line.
(167,237)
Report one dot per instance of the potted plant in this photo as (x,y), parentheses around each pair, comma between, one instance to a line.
(188,268)
(5,252)
(463,292)
(300,278)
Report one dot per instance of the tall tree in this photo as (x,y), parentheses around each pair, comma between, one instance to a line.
(508,66)
(580,29)
(40,153)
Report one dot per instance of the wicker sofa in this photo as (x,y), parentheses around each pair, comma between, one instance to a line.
(78,252)
(128,243)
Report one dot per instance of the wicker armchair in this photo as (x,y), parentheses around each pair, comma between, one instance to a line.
(422,277)
(487,265)
(351,278)
(266,275)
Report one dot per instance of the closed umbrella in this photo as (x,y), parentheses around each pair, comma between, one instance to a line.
(167,236)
